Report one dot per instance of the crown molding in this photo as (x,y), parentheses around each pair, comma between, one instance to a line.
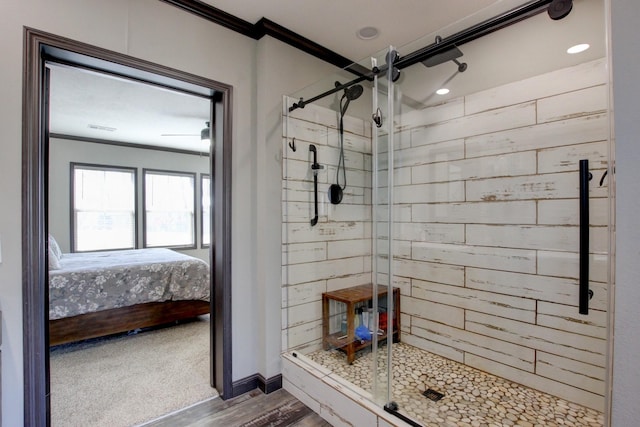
(266,27)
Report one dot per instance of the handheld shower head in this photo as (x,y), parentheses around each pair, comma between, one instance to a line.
(350,94)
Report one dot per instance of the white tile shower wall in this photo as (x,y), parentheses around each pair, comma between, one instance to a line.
(502,296)
(485,240)
(336,252)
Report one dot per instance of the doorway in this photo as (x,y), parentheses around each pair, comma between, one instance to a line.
(40,48)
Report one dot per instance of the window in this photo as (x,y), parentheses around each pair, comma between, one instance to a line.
(104,201)
(205,186)
(169,209)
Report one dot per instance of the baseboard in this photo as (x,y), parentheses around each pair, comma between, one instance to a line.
(252,382)
(270,385)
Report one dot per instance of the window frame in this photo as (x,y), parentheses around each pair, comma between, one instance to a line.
(193,175)
(204,176)
(72,202)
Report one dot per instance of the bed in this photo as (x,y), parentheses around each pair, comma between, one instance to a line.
(95,294)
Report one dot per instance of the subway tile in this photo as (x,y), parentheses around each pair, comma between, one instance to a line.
(546,186)
(349,281)
(305,335)
(558,290)
(510,212)
(469,342)
(306,131)
(567,264)
(295,253)
(422,193)
(572,394)
(452,316)
(304,293)
(554,134)
(434,347)
(567,158)
(575,346)
(450,109)
(427,154)
(514,164)
(304,313)
(578,103)
(567,212)
(313,271)
(329,231)
(558,81)
(518,260)
(571,372)
(496,120)
(401,213)
(351,141)
(345,212)
(430,271)
(401,176)
(427,232)
(348,248)
(552,238)
(510,307)
(567,318)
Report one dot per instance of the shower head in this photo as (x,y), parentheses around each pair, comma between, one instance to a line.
(451,54)
(558,9)
(352,93)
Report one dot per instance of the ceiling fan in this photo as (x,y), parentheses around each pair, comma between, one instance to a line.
(204,133)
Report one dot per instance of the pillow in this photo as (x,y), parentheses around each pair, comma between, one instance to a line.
(54,261)
(53,245)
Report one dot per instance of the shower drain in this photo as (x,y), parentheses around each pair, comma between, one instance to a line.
(432,394)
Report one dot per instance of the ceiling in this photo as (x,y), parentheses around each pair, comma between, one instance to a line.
(89,105)
(333,23)
(95,106)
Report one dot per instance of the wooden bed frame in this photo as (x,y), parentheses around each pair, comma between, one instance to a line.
(117,320)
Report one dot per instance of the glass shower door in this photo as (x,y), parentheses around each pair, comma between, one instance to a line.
(492,245)
(386,296)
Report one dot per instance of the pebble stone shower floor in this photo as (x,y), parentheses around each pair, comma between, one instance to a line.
(471,397)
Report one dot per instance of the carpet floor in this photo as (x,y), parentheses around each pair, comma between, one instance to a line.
(129,379)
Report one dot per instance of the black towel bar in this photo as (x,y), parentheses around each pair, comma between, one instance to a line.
(585,293)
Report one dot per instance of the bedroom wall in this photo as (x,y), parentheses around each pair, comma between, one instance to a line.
(62,152)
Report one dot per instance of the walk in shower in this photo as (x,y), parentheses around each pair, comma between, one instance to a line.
(464,276)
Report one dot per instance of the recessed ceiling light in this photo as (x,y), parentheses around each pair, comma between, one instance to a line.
(368,33)
(578,48)
(442,91)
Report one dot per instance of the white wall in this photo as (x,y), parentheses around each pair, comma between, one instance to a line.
(626,91)
(153,31)
(157,32)
(275,60)
(63,152)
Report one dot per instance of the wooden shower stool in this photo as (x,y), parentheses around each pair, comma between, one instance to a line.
(351,297)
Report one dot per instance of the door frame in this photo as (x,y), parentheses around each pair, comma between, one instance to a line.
(35,151)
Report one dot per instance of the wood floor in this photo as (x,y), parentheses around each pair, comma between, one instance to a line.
(253,409)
